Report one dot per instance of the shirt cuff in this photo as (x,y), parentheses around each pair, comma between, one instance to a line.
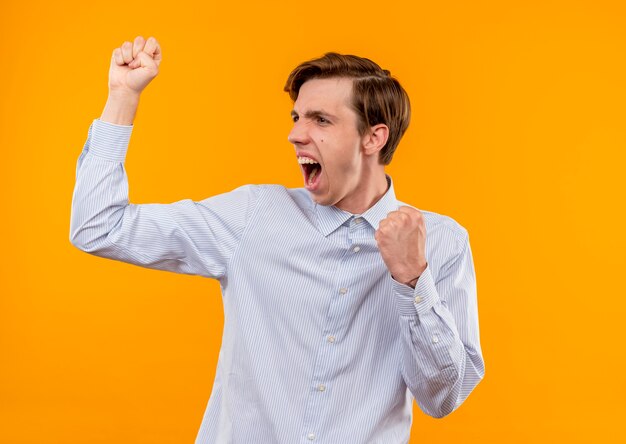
(410,301)
(109,140)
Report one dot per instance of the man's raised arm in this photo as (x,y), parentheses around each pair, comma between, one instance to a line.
(186,236)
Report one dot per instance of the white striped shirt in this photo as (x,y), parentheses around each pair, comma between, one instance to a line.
(320,343)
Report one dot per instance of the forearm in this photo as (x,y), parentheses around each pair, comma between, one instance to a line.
(120,109)
(438,368)
(441,354)
(101,190)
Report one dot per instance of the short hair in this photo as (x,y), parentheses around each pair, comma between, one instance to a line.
(377,97)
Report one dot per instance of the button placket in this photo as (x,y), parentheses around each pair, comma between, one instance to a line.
(329,353)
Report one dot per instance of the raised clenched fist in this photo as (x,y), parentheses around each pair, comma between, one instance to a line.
(401,239)
(134,65)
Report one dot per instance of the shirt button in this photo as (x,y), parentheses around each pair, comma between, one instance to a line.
(310,436)
(418,299)
(358,220)
(343,290)
(331,339)
(321,387)
(357,249)
(435,339)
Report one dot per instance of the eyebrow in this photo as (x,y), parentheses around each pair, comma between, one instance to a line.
(315,113)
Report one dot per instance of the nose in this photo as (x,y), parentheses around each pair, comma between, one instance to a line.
(298,134)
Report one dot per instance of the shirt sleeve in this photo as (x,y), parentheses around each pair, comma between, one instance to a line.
(441,355)
(189,237)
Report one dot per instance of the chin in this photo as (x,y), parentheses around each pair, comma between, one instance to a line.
(320,200)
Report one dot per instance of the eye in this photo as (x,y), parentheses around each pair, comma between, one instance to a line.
(294,118)
(321,119)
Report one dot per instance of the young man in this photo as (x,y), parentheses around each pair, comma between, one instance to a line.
(341,303)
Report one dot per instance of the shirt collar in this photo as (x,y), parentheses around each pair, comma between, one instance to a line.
(329,218)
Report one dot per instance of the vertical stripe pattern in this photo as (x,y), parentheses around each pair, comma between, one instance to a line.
(320,343)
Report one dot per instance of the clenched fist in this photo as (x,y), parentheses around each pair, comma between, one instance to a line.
(401,239)
(134,65)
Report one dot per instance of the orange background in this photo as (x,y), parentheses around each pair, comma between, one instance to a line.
(518,132)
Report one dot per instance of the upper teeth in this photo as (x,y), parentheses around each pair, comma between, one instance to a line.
(302,160)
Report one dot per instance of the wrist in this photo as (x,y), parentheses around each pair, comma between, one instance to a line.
(123,96)
(411,283)
(120,108)
(410,278)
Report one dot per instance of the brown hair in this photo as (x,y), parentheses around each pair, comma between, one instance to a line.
(376,96)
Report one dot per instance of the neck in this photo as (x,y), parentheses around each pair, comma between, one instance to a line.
(371,187)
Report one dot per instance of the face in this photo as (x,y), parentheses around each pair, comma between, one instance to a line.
(327,142)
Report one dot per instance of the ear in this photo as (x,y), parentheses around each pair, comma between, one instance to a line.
(375,139)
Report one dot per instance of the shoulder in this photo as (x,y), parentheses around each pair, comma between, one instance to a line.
(255,191)
(281,192)
(268,196)
(273,192)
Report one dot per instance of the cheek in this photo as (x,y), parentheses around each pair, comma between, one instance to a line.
(341,167)
(339,155)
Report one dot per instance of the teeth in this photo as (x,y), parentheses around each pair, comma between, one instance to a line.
(302,160)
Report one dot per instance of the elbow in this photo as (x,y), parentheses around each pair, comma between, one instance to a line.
(445,408)
(456,390)
(91,231)
(442,410)
(79,242)
(76,237)
(439,395)
(441,413)
(87,234)
(81,239)
(77,234)
(467,387)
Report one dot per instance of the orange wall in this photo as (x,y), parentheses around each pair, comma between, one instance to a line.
(518,133)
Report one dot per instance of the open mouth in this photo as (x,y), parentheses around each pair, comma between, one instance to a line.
(312,172)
